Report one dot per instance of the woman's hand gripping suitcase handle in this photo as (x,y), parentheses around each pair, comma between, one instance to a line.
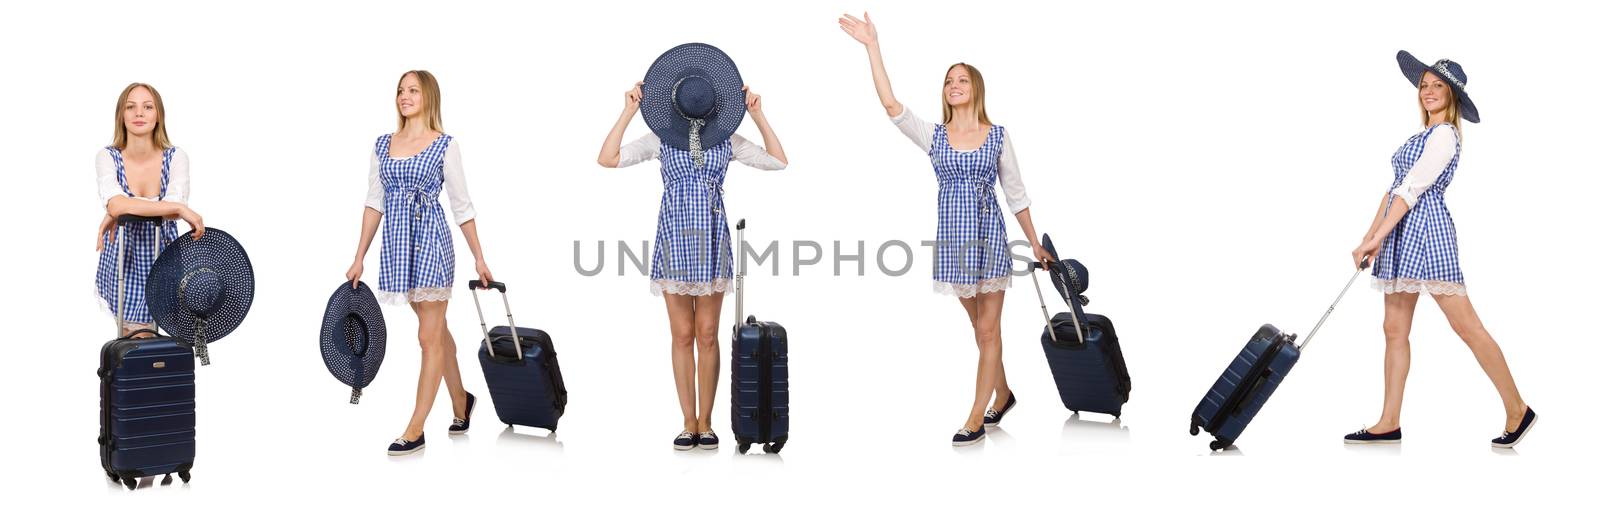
(476,285)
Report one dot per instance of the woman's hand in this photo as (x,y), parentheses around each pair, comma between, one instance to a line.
(354,274)
(752,101)
(108,225)
(1368,250)
(632,97)
(862,30)
(1042,255)
(483,273)
(194,220)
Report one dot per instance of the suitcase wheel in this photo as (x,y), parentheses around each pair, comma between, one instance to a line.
(744,447)
(1217,445)
(775,447)
(130,482)
(166,480)
(1194,430)
(184,475)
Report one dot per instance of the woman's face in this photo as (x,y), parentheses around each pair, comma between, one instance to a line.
(958,86)
(139,112)
(408,98)
(1434,93)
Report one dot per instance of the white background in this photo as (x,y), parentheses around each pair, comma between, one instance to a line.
(1213,166)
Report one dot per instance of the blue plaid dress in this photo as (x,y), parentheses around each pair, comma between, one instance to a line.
(1420,254)
(692,254)
(139,254)
(971,243)
(418,259)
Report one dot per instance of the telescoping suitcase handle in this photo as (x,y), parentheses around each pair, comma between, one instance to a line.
(474,286)
(738,278)
(122,285)
(1076,326)
(1313,333)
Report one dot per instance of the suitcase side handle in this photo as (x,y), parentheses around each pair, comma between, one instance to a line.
(1043,309)
(488,344)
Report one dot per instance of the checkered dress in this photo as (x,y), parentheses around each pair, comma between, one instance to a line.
(1420,254)
(139,251)
(972,256)
(692,254)
(418,259)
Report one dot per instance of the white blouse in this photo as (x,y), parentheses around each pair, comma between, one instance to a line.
(921,133)
(748,153)
(105,168)
(1435,157)
(455,184)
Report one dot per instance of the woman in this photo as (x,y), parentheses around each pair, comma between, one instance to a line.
(140,173)
(408,169)
(1412,242)
(968,153)
(691,263)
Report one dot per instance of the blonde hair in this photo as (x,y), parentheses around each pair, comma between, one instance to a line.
(1452,112)
(977,94)
(430,99)
(119,136)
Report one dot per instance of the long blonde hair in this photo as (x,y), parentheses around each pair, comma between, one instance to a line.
(1452,112)
(430,97)
(119,136)
(977,95)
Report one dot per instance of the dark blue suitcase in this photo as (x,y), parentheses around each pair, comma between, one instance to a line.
(1084,355)
(146,398)
(520,368)
(1238,395)
(760,376)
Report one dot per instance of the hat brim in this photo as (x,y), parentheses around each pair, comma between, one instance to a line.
(1413,69)
(360,304)
(218,252)
(671,67)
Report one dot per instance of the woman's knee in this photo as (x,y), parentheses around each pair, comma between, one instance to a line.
(706,336)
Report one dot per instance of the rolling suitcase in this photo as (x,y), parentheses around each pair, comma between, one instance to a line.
(760,375)
(1084,355)
(147,390)
(1238,395)
(520,367)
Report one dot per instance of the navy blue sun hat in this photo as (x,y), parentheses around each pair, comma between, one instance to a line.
(1070,276)
(353,337)
(1449,71)
(693,98)
(200,289)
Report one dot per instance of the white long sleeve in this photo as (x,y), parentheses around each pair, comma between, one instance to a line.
(754,155)
(920,132)
(643,149)
(178,177)
(1436,155)
(374,185)
(105,175)
(455,184)
(648,147)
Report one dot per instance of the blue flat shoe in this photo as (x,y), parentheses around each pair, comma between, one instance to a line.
(991,418)
(402,447)
(459,426)
(1510,439)
(1367,437)
(967,437)
(685,441)
(708,441)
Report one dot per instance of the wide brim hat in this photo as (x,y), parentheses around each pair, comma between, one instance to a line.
(1450,72)
(199,290)
(689,84)
(353,337)
(1070,276)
